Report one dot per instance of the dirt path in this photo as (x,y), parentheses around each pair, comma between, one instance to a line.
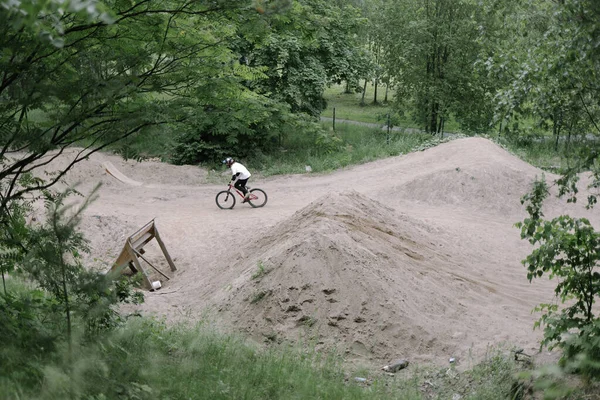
(413,256)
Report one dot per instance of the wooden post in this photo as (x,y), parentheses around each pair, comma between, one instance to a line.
(137,264)
(388,129)
(334,119)
(164,250)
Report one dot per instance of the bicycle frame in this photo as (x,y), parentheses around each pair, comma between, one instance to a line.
(251,197)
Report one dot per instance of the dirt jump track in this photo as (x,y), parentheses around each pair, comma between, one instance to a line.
(410,257)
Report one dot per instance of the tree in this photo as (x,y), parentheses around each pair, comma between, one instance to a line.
(431,55)
(559,78)
(376,36)
(536,82)
(306,48)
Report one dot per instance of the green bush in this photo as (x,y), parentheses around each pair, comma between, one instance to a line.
(215,133)
(31,326)
(568,249)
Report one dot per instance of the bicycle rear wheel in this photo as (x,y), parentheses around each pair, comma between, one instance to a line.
(225,200)
(258,198)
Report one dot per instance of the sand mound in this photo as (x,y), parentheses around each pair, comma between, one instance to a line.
(349,272)
(107,235)
(472,173)
(92,171)
(495,189)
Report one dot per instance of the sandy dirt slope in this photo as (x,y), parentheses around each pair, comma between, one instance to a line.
(413,256)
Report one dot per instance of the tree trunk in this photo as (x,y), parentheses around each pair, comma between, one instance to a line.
(362,100)
(67,307)
(556,128)
(569,137)
(387,85)
(433,118)
(375,93)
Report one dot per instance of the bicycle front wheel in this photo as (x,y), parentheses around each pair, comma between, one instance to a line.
(225,200)
(258,198)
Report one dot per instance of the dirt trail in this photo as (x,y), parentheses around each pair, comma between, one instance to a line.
(413,256)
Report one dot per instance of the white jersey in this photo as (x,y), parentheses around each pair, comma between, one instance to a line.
(236,168)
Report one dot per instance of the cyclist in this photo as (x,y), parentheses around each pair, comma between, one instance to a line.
(240,176)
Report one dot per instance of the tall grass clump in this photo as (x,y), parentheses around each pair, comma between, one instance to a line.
(146,359)
(543,152)
(347,145)
(494,378)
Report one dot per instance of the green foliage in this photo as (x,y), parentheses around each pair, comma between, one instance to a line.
(31,325)
(43,19)
(541,153)
(260,271)
(358,145)
(67,304)
(432,54)
(303,49)
(436,141)
(553,81)
(259,125)
(328,142)
(147,359)
(567,249)
(53,261)
(494,378)
(152,64)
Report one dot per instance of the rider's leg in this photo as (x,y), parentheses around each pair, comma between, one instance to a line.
(240,184)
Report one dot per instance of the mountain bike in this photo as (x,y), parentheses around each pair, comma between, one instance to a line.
(226,199)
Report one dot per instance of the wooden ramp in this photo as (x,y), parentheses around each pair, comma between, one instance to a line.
(112,170)
(133,251)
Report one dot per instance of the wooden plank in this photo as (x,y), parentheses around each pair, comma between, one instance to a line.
(112,170)
(142,240)
(164,250)
(123,259)
(153,267)
(137,265)
(149,227)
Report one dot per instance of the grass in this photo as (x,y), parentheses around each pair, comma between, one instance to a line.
(147,359)
(541,152)
(348,106)
(258,296)
(260,271)
(356,145)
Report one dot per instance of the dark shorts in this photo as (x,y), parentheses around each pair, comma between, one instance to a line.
(240,184)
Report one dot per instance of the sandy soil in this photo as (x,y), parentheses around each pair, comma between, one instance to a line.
(410,257)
